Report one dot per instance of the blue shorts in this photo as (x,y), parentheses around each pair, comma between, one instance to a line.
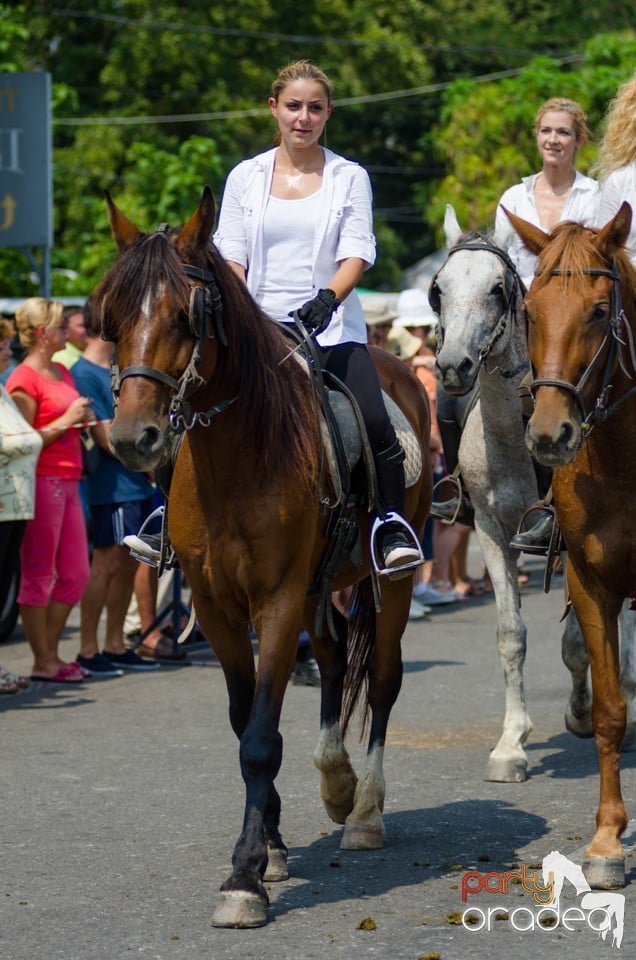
(111,522)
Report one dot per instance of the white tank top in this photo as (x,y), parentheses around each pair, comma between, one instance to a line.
(289,227)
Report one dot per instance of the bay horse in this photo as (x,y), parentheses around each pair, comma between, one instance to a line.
(248,522)
(581,315)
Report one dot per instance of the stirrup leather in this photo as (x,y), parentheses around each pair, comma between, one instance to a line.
(377,559)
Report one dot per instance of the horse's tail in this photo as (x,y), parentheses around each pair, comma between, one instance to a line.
(360,644)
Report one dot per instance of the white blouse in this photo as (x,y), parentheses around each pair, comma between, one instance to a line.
(620,185)
(581,206)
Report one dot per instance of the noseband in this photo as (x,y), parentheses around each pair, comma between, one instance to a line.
(616,327)
(205,320)
(512,292)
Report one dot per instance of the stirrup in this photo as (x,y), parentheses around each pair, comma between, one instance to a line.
(449,478)
(377,559)
(165,558)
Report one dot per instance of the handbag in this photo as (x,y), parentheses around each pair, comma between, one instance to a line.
(90,452)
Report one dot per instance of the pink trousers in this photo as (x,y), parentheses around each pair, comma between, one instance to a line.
(54,552)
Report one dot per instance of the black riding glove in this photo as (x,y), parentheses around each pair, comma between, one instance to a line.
(316,314)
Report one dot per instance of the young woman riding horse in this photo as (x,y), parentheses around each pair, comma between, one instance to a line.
(296,226)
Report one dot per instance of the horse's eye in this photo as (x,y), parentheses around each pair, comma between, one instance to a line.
(434,298)
(600,312)
(497,290)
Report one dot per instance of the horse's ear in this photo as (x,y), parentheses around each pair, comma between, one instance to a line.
(615,233)
(452,229)
(124,230)
(196,233)
(534,238)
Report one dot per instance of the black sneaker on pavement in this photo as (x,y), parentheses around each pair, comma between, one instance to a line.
(306,674)
(99,666)
(129,660)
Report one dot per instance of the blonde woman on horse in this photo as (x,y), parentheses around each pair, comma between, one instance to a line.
(556,192)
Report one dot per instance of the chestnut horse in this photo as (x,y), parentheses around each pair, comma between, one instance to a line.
(581,313)
(249,525)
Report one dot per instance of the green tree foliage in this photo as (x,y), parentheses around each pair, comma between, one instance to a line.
(153,100)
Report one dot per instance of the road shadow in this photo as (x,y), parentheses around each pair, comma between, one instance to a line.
(570,757)
(421,845)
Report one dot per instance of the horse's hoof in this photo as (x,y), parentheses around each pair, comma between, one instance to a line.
(340,813)
(629,740)
(579,726)
(276,865)
(604,873)
(337,791)
(362,838)
(506,771)
(240,909)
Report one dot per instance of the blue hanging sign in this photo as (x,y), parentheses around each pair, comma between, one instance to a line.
(26,181)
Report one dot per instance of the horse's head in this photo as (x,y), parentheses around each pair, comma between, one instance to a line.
(474,295)
(575,330)
(160,305)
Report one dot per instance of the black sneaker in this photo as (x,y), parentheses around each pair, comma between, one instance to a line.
(146,548)
(306,674)
(397,550)
(129,660)
(99,666)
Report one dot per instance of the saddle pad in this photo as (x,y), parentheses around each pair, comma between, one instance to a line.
(405,434)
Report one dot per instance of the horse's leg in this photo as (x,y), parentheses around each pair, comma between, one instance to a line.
(245,901)
(508,761)
(578,713)
(604,863)
(337,776)
(627,622)
(364,827)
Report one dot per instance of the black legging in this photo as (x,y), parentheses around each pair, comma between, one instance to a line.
(352,364)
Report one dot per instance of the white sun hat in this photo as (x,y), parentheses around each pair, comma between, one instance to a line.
(414,310)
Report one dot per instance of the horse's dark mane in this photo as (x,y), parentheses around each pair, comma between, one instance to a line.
(140,270)
(274,393)
(273,387)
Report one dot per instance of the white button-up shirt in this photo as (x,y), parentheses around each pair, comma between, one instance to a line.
(620,185)
(580,206)
(345,229)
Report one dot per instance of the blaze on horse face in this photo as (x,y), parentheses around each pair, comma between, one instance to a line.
(568,357)
(145,303)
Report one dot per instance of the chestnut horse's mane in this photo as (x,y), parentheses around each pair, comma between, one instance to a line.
(278,408)
(571,250)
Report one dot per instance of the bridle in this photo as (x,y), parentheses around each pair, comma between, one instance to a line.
(513,292)
(617,328)
(205,320)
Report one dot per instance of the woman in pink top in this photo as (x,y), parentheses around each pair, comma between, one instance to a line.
(54,553)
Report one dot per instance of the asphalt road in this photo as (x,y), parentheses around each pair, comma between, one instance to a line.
(122,800)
